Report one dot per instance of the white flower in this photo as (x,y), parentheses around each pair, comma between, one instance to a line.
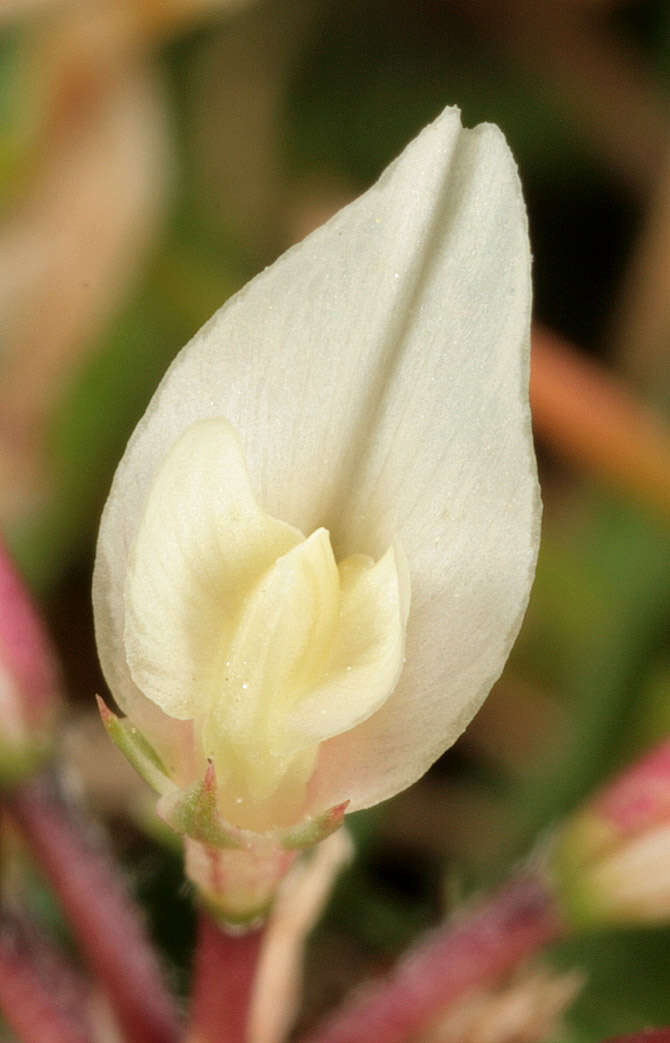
(352,427)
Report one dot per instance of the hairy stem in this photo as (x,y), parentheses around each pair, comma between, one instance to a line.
(475,950)
(101,913)
(41,998)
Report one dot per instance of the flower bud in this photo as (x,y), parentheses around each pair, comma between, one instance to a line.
(526,1008)
(611,859)
(349,434)
(29,679)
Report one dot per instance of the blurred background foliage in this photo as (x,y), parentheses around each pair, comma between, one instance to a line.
(153,157)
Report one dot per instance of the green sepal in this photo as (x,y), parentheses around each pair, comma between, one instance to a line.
(314,830)
(193,812)
(135,749)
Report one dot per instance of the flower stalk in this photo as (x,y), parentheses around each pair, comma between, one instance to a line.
(225,970)
(237,885)
(100,912)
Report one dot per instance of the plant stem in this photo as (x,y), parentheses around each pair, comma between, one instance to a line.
(225,970)
(647,1036)
(101,913)
(473,951)
(41,1004)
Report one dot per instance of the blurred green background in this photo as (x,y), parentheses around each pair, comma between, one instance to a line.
(153,158)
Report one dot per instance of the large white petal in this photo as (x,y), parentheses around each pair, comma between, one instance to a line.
(377,374)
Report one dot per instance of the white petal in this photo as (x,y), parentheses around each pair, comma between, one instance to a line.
(377,374)
(201,545)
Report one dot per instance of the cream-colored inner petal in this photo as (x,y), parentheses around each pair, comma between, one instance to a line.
(202,543)
(365,656)
(235,620)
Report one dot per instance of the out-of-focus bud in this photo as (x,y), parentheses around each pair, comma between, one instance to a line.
(29,680)
(524,1009)
(610,861)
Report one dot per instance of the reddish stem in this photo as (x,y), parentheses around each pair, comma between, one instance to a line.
(26,650)
(225,970)
(101,913)
(40,997)
(648,1036)
(474,951)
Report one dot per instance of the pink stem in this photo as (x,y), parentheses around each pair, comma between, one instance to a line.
(474,951)
(225,969)
(648,1036)
(41,1004)
(26,649)
(101,913)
